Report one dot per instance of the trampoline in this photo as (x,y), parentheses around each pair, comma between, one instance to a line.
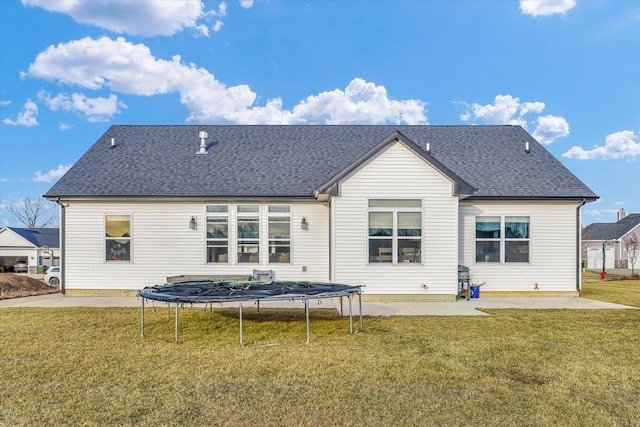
(209,292)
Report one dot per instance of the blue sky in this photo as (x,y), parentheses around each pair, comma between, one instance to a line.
(566,70)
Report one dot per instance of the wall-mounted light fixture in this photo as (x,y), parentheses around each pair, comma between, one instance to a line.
(193,224)
(304,224)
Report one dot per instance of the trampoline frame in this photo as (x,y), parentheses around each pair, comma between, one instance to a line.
(168,298)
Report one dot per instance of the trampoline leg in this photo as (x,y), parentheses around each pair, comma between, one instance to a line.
(350,317)
(258,303)
(360,309)
(241,341)
(176,323)
(306,310)
(341,310)
(142,318)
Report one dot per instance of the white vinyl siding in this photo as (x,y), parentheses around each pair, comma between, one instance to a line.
(396,173)
(164,245)
(552,247)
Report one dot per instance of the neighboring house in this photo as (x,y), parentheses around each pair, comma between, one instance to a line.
(35,247)
(606,240)
(394,208)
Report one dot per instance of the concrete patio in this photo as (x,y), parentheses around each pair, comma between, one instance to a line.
(462,307)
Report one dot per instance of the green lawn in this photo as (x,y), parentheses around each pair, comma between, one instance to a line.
(89,366)
(618,291)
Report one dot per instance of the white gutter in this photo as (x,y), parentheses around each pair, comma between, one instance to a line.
(63,263)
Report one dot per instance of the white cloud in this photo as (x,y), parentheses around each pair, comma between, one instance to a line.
(94,109)
(132,69)
(531,107)
(140,17)
(546,7)
(64,126)
(27,117)
(504,110)
(222,9)
(618,145)
(508,110)
(218,14)
(4,103)
(247,4)
(549,128)
(136,17)
(52,175)
(360,102)
(599,213)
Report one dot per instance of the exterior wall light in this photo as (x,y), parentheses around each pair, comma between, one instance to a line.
(304,224)
(193,224)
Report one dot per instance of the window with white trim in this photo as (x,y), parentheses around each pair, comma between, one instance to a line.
(218,233)
(395,230)
(516,235)
(117,229)
(279,234)
(502,239)
(248,227)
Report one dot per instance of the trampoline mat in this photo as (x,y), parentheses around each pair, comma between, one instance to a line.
(221,291)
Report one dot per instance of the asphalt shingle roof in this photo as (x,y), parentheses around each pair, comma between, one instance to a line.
(293,161)
(40,237)
(611,230)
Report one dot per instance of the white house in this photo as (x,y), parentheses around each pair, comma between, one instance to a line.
(394,208)
(605,240)
(35,247)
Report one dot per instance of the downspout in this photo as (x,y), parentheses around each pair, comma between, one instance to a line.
(63,264)
(579,246)
(329,202)
(331,267)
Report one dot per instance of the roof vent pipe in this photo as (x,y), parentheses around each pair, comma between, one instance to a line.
(527,147)
(203,146)
(113,143)
(428,147)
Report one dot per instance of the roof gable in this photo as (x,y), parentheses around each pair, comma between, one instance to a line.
(36,237)
(9,238)
(296,161)
(460,185)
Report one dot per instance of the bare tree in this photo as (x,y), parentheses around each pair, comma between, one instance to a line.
(33,212)
(631,245)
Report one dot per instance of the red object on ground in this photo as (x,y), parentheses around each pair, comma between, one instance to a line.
(603,275)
